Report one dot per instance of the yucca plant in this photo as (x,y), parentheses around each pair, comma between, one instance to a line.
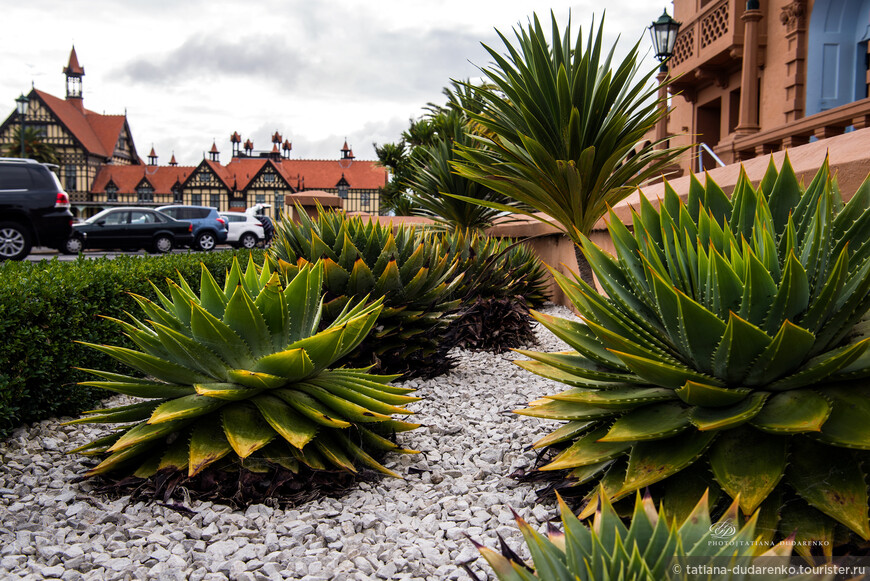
(732,343)
(654,546)
(242,376)
(560,128)
(412,272)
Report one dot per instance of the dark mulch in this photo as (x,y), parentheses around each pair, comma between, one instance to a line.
(235,488)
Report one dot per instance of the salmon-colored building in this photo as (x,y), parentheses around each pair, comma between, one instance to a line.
(760,76)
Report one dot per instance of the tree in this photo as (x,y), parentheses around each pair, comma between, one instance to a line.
(34,146)
(563,129)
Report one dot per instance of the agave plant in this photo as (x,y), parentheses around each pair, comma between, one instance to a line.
(733,342)
(498,267)
(242,375)
(653,547)
(412,272)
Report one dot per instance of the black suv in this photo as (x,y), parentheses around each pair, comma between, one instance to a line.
(34,209)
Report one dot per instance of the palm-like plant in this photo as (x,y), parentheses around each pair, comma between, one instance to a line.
(242,375)
(435,184)
(564,129)
(734,336)
(34,146)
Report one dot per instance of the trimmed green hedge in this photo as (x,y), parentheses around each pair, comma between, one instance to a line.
(46,306)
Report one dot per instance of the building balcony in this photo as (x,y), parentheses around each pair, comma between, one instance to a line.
(709,47)
(855,115)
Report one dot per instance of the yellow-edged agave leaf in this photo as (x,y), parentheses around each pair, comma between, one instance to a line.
(189,353)
(211,297)
(136,387)
(588,449)
(122,414)
(562,410)
(655,460)
(245,429)
(182,408)
(272,305)
(787,351)
(207,445)
(243,317)
(742,343)
(701,394)
(256,380)
(649,422)
(617,398)
(217,336)
(820,368)
(748,465)
(278,453)
(809,527)
(346,408)
(119,458)
(365,393)
(847,425)
(569,431)
(311,408)
(149,365)
(361,455)
(844,494)
(292,426)
(334,455)
(794,411)
(177,455)
(227,391)
(146,432)
(292,364)
(666,375)
(98,446)
(720,418)
(322,349)
(572,363)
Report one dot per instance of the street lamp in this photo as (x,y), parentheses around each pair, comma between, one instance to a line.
(664,35)
(21,104)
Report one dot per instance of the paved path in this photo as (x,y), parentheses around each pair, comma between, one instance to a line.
(38,254)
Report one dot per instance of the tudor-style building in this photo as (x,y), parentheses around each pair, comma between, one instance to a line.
(99,166)
(83,140)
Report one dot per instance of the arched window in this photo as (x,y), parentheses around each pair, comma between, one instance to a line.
(837,54)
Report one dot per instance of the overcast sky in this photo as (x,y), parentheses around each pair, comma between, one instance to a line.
(317,71)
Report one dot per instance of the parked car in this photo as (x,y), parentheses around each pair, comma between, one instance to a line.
(129,229)
(246,231)
(34,209)
(209,229)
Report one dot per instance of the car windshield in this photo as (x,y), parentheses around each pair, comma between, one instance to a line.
(93,219)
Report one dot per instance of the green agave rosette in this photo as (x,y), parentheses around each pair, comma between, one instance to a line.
(412,272)
(732,343)
(244,374)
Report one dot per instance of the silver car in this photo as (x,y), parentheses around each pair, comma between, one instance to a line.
(245,230)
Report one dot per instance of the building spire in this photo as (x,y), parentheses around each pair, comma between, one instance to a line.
(74,73)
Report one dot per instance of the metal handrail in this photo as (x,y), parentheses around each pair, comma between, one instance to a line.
(713,155)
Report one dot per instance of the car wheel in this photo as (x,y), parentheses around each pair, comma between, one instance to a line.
(15,241)
(163,244)
(248,241)
(73,245)
(206,241)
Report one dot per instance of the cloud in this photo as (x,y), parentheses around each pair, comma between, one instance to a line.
(267,58)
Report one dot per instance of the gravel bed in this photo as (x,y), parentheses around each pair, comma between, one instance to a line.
(390,529)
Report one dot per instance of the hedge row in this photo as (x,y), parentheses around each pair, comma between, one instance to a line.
(46,306)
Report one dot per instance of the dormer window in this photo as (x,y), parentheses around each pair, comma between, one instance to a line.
(111,193)
(145,194)
(342,192)
(177,197)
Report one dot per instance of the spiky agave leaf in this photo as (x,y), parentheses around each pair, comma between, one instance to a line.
(412,272)
(734,335)
(654,546)
(245,372)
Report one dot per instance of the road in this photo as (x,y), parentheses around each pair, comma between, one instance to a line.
(38,254)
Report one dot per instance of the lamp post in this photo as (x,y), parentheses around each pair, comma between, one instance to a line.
(664,35)
(21,104)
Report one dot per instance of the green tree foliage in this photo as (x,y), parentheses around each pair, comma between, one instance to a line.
(34,146)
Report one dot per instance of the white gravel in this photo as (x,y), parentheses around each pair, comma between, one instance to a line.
(391,529)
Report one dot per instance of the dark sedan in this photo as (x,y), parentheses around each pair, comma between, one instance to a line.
(129,229)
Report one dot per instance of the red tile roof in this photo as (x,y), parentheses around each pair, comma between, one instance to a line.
(127,177)
(152,154)
(235,137)
(98,134)
(214,148)
(73,68)
(223,174)
(312,174)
